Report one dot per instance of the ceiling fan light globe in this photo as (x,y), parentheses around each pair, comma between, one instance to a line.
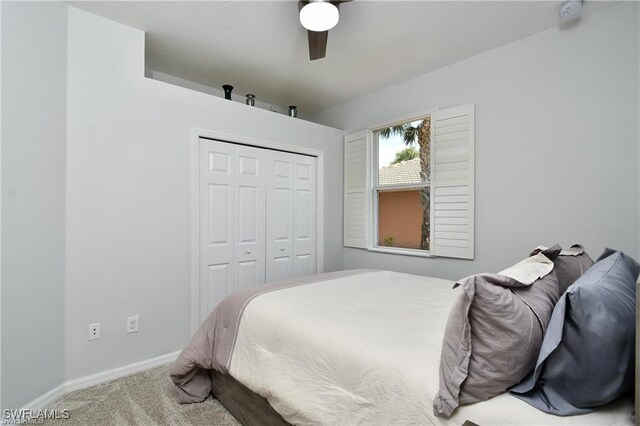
(319,16)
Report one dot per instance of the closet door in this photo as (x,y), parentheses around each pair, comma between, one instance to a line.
(231,220)
(291,215)
(257,218)
(305,216)
(250,181)
(280,215)
(216,224)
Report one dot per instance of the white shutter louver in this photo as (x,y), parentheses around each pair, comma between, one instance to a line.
(452,186)
(355,190)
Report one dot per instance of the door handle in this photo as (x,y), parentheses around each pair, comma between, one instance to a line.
(281,248)
(248,251)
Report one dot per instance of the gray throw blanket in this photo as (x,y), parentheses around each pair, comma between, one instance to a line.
(212,345)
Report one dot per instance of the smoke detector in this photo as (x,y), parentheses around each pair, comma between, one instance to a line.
(570,10)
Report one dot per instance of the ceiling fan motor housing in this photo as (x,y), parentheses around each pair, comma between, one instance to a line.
(570,10)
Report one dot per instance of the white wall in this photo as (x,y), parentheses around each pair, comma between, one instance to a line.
(557,135)
(557,115)
(128,193)
(235,95)
(33,199)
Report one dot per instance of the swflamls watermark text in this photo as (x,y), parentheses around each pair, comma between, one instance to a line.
(33,416)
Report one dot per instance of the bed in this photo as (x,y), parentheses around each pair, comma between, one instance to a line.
(372,359)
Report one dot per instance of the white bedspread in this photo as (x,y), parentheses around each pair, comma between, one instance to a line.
(365,349)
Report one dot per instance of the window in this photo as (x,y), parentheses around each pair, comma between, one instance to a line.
(401,215)
(421,202)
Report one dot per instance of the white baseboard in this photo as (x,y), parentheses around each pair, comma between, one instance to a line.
(46,399)
(95,379)
(116,373)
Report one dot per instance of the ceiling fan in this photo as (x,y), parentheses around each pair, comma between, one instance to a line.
(318,17)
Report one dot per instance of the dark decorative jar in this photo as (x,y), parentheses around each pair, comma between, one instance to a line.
(227,91)
(293,111)
(251,99)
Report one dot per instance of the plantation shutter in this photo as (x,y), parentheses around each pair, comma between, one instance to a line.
(452,170)
(355,190)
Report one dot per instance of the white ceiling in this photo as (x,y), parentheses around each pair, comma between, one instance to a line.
(260,47)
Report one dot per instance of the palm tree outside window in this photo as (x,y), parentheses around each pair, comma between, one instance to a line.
(401,189)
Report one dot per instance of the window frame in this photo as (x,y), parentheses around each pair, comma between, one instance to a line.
(451,216)
(374,188)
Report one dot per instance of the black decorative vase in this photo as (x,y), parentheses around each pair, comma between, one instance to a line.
(227,91)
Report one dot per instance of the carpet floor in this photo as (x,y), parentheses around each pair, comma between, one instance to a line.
(146,398)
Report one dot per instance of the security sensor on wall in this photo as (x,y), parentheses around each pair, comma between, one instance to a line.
(570,10)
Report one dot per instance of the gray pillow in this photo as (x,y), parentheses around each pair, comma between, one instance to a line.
(587,357)
(569,264)
(492,338)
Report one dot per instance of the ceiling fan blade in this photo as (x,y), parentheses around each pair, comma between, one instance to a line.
(318,40)
(317,44)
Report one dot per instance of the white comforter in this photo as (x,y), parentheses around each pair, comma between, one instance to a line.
(365,349)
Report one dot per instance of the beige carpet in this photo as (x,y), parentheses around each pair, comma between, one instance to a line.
(146,398)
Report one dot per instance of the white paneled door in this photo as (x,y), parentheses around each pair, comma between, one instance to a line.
(217,223)
(291,215)
(257,218)
(280,193)
(304,220)
(249,212)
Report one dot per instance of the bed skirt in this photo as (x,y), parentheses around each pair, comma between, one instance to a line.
(245,405)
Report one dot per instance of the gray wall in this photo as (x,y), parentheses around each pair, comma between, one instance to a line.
(557,160)
(556,141)
(96,195)
(33,199)
(216,91)
(128,193)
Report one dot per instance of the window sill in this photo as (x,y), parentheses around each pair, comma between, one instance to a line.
(403,252)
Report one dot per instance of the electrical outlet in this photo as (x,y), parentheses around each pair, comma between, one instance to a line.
(132,324)
(94,331)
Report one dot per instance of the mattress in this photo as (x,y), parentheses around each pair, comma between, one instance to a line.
(365,349)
